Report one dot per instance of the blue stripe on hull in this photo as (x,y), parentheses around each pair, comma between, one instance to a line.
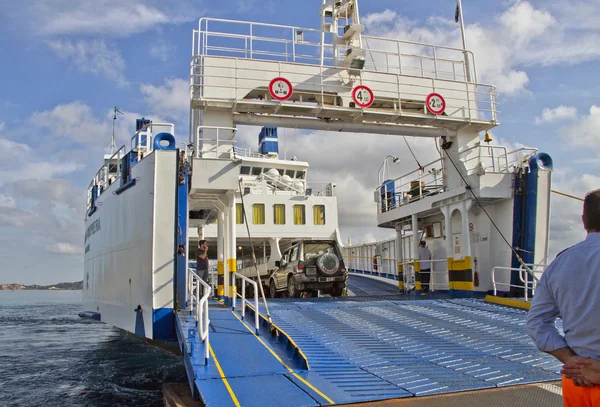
(163,324)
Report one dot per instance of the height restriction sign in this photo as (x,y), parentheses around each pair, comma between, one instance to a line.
(362,96)
(435,103)
(280,89)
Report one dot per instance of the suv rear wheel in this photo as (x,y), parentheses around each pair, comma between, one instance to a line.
(272,289)
(337,290)
(292,289)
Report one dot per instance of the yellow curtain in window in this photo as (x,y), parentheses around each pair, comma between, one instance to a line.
(258,214)
(299,215)
(239,214)
(319,214)
(279,214)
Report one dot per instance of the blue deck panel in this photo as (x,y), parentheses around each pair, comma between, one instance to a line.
(256,391)
(369,348)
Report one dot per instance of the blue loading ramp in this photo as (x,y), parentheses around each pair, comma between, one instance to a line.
(367,348)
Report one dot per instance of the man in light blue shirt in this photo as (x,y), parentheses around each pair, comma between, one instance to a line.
(570,288)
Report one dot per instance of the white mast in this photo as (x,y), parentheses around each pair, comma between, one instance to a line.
(112,147)
(458,17)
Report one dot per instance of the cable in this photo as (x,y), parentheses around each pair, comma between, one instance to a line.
(468,187)
(259,283)
(567,195)
(413,154)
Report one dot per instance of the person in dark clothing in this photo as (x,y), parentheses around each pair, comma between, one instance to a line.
(202,260)
(425,262)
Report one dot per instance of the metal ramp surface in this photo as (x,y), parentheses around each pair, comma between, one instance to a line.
(363,349)
(368,348)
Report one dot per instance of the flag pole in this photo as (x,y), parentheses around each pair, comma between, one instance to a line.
(459,13)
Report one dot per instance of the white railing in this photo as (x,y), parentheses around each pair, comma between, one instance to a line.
(418,59)
(243,296)
(141,144)
(314,88)
(440,283)
(533,271)
(424,182)
(273,42)
(199,309)
(411,187)
(481,159)
(142,140)
(515,157)
(215,145)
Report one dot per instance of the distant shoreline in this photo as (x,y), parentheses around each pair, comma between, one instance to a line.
(74,286)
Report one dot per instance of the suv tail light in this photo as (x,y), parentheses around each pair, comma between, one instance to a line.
(300,267)
(342,265)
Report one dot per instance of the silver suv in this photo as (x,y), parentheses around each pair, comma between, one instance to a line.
(308,266)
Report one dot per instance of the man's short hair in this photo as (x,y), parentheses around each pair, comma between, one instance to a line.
(591,211)
(422,243)
(201,242)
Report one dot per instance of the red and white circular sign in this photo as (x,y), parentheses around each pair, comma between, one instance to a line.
(280,89)
(363,96)
(435,103)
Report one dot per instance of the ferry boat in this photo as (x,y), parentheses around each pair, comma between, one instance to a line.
(483,211)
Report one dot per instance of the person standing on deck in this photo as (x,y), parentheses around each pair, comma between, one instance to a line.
(570,288)
(202,262)
(425,267)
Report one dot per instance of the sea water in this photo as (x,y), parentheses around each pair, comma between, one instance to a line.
(51,357)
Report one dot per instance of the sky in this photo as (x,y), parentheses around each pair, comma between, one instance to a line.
(66,63)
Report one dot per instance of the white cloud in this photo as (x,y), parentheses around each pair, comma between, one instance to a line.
(63,248)
(77,122)
(521,36)
(565,223)
(385,17)
(7,201)
(94,57)
(102,18)
(523,22)
(171,100)
(559,113)
(585,132)
(161,50)
(17,162)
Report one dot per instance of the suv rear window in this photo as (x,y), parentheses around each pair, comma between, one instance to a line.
(315,249)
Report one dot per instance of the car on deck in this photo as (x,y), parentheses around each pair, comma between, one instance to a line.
(309,266)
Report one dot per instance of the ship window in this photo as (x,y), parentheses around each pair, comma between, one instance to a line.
(299,215)
(301,174)
(256,170)
(319,214)
(245,170)
(258,214)
(239,214)
(290,173)
(279,214)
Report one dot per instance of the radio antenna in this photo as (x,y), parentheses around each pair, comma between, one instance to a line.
(113,147)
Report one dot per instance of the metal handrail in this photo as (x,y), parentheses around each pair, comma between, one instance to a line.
(527,270)
(235,294)
(409,91)
(391,46)
(526,287)
(199,309)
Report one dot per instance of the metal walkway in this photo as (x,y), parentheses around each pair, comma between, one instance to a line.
(364,349)
(361,286)
(385,347)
